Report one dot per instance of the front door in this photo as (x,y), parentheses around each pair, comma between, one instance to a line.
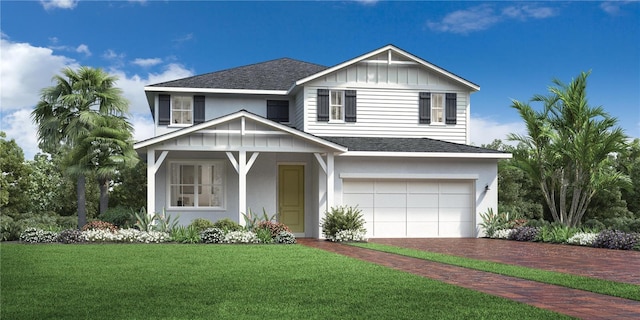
(291,196)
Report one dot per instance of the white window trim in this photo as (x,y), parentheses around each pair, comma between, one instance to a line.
(217,163)
(444,109)
(331,120)
(171,124)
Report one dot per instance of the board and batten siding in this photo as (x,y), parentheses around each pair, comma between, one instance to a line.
(387,102)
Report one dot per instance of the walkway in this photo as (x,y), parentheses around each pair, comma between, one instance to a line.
(572,302)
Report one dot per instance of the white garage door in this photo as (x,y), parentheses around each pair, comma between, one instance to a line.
(413,208)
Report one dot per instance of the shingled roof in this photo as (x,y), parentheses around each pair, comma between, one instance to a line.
(405,145)
(278,74)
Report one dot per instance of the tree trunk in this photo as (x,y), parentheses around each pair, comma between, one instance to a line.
(82,201)
(104,195)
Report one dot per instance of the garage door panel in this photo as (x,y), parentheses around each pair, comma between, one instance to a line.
(422,229)
(389,229)
(455,187)
(391,187)
(390,200)
(455,200)
(390,214)
(422,215)
(455,229)
(362,199)
(422,187)
(455,214)
(358,186)
(367,213)
(422,200)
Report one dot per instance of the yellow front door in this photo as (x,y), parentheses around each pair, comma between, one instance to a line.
(291,196)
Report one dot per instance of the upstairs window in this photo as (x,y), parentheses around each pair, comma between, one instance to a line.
(437,108)
(181,110)
(278,110)
(336,105)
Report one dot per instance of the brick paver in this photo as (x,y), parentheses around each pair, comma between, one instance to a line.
(572,302)
(614,265)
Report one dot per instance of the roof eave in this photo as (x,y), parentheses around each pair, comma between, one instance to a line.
(215,90)
(447,155)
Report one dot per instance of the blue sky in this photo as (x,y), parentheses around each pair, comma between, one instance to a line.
(511,49)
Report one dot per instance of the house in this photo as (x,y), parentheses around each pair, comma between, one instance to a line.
(386,131)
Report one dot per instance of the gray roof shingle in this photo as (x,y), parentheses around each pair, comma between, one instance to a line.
(405,145)
(279,74)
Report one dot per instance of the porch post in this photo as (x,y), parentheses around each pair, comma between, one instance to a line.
(330,180)
(242,186)
(151,181)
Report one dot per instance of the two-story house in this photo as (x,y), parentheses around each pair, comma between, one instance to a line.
(386,131)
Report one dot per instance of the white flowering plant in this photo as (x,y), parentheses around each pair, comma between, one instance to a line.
(583,238)
(285,237)
(35,235)
(502,233)
(241,236)
(349,236)
(126,235)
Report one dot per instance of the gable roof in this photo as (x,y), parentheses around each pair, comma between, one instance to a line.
(276,74)
(399,52)
(413,147)
(143,145)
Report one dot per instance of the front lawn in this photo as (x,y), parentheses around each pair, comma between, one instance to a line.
(169,281)
(606,287)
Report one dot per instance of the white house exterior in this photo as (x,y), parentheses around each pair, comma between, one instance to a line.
(386,131)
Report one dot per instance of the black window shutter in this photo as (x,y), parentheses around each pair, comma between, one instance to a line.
(164,109)
(350,106)
(451,108)
(424,108)
(323,104)
(198,109)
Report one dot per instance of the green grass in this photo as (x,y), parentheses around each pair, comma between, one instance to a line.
(606,287)
(171,281)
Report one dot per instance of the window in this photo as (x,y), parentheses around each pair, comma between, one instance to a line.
(437,108)
(181,110)
(336,105)
(197,184)
(278,110)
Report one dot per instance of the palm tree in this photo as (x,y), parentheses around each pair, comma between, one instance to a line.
(567,149)
(106,149)
(63,114)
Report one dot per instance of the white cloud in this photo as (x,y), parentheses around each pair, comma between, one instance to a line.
(613,7)
(147,62)
(58,4)
(484,16)
(485,130)
(83,48)
(26,69)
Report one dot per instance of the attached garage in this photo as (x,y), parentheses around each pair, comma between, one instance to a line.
(413,208)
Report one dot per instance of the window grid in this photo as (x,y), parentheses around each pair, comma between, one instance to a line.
(181,110)
(336,105)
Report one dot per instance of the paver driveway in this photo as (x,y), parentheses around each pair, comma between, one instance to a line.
(577,303)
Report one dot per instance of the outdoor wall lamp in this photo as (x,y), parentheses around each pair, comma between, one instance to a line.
(486,187)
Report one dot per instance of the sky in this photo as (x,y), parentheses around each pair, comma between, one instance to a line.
(513,50)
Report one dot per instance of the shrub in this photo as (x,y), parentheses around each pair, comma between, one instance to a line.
(524,234)
(227,225)
(155,222)
(182,234)
(285,237)
(212,235)
(273,227)
(492,222)
(349,236)
(70,236)
(251,219)
(616,239)
(241,236)
(34,235)
(9,229)
(201,224)
(556,233)
(594,224)
(99,225)
(583,238)
(342,218)
(264,235)
(119,216)
(67,222)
